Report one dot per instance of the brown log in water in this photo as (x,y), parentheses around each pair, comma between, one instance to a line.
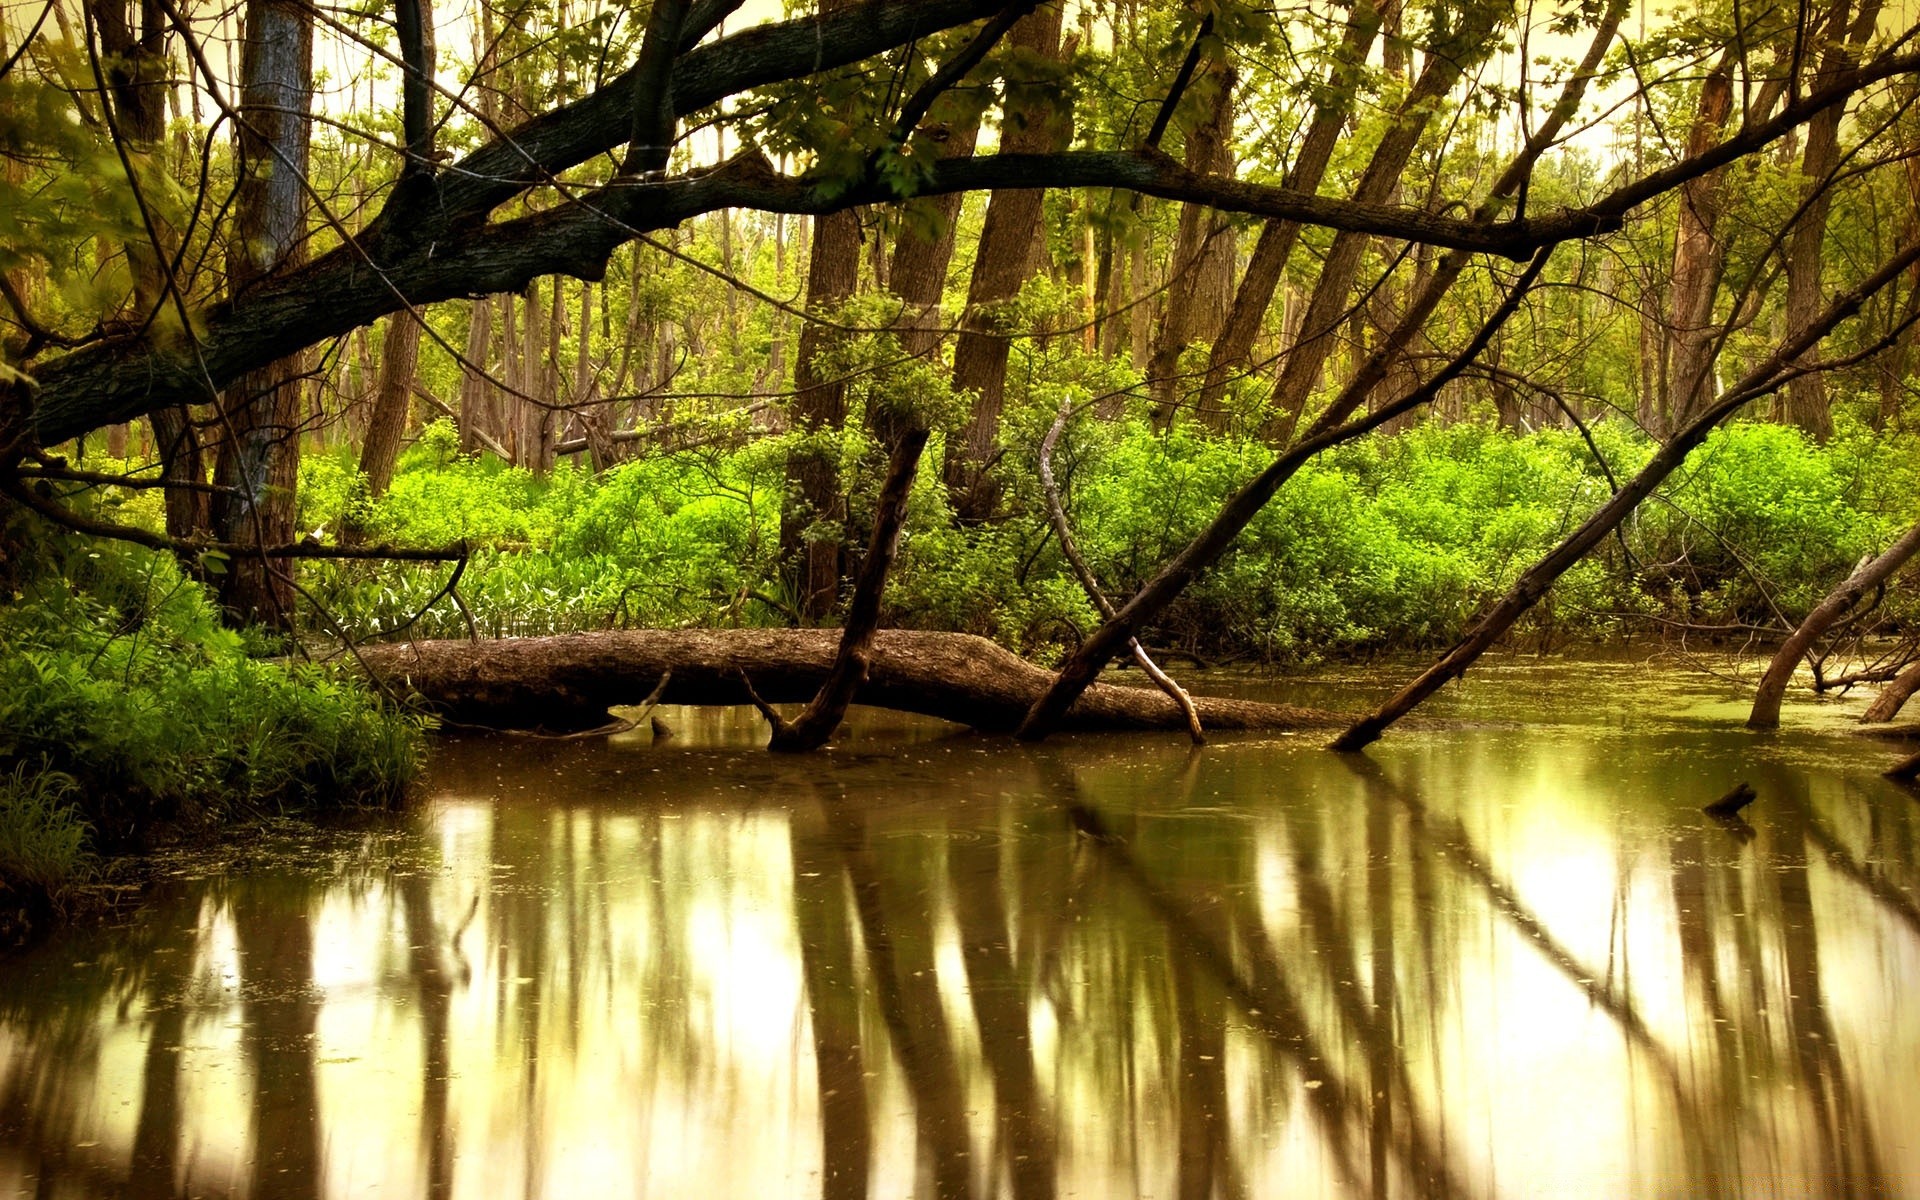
(568,681)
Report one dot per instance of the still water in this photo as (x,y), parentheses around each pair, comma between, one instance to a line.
(1502,956)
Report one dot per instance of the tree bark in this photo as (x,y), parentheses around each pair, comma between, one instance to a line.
(478,424)
(399,363)
(1700,257)
(262,414)
(1893,697)
(1806,396)
(568,681)
(1773,684)
(1203,255)
(1002,264)
(921,256)
(813,500)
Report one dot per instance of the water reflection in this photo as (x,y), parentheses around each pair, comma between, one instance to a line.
(1479,962)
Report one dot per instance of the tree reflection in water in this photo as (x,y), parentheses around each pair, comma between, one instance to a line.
(1493,964)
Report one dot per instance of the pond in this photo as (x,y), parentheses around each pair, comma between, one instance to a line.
(1500,954)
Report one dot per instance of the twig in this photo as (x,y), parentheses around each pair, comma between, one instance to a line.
(1061,527)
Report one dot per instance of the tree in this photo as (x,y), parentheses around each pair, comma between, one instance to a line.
(260,409)
(842,110)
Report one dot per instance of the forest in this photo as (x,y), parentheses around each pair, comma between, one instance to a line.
(373,367)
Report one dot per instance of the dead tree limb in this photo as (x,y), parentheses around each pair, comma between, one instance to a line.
(1770,375)
(1069,547)
(1893,697)
(854,656)
(1331,429)
(1869,575)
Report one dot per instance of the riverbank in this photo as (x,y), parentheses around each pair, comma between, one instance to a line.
(129,715)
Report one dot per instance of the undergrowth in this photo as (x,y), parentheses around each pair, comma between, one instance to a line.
(1391,543)
(125,706)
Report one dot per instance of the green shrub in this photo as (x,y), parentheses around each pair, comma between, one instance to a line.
(42,835)
(124,704)
(1391,542)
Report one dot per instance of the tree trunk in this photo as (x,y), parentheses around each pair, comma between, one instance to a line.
(1203,257)
(183,464)
(1001,266)
(813,501)
(1893,697)
(1699,260)
(399,362)
(568,681)
(1773,685)
(477,420)
(1332,293)
(262,413)
(921,256)
(400,352)
(1806,399)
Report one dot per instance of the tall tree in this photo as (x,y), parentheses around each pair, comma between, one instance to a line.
(400,352)
(261,413)
(1839,42)
(1201,275)
(809,545)
(1032,122)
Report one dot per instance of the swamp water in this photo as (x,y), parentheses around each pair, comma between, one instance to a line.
(1485,959)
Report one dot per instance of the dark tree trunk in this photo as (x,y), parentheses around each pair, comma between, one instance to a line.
(918,273)
(1203,257)
(399,363)
(1002,264)
(262,413)
(812,554)
(1870,575)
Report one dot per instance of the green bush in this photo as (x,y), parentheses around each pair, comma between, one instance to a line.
(1763,520)
(42,834)
(1392,542)
(124,704)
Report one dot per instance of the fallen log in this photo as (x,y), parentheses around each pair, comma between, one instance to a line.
(568,681)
